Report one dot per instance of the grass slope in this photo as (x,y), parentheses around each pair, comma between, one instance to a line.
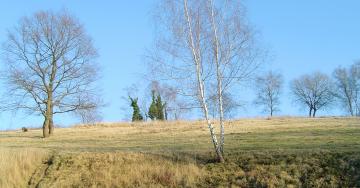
(282,152)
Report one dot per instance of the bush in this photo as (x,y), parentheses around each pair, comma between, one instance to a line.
(24,129)
(320,169)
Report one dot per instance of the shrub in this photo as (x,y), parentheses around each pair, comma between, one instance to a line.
(24,129)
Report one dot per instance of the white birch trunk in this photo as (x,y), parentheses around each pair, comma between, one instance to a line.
(200,83)
(219,78)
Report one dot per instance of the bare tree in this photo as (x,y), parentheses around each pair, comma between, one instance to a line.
(49,67)
(202,44)
(89,116)
(230,105)
(268,90)
(347,83)
(313,91)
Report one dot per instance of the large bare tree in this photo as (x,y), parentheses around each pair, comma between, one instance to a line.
(347,83)
(202,44)
(314,91)
(268,89)
(50,67)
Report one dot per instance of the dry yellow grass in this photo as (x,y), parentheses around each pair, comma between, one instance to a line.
(18,165)
(158,137)
(155,154)
(117,170)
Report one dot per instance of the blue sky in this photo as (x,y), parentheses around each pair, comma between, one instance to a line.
(303,36)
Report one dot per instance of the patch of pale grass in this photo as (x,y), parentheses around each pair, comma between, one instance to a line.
(118,169)
(17,165)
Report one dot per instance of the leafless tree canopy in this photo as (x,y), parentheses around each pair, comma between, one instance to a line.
(50,66)
(89,116)
(230,105)
(313,91)
(173,60)
(268,89)
(347,83)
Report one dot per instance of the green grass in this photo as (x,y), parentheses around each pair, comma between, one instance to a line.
(281,152)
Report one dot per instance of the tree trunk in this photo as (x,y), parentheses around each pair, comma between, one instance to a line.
(46,128)
(216,49)
(51,122)
(271,103)
(310,111)
(221,109)
(351,108)
(217,147)
(314,113)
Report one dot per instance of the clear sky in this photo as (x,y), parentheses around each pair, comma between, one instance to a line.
(303,36)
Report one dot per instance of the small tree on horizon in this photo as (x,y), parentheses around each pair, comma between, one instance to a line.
(347,88)
(313,91)
(268,89)
(160,108)
(153,113)
(136,110)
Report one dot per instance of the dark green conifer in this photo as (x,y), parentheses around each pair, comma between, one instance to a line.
(160,108)
(136,110)
(153,111)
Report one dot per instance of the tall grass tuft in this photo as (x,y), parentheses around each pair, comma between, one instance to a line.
(17,166)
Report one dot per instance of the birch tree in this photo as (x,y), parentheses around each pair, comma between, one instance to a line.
(49,67)
(347,82)
(201,44)
(232,50)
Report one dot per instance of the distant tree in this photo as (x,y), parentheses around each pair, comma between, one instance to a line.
(136,110)
(313,91)
(160,108)
(49,67)
(133,90)
(268,89)
(89,116)
(347,90)
(229,105)
(153,111)
(174,105)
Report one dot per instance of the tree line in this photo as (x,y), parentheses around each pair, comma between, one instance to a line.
(314,92)
(157,110)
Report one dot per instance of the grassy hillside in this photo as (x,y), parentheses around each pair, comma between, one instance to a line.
(282,152)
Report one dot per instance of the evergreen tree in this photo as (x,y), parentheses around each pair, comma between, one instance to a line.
(136,110)
(153,111)
(160,108)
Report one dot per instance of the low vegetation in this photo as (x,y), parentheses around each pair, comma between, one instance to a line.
(17,165)
(280,152)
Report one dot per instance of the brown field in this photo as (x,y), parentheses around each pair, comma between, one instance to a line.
(281,152)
